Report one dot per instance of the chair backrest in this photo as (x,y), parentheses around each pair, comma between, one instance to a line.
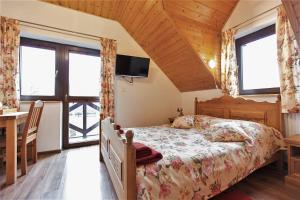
(33,119)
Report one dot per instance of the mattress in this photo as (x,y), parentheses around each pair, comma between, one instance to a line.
(194,167)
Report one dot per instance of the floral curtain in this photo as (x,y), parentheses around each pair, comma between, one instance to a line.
(229,68)
(289,64)
(9,54)
(107,79)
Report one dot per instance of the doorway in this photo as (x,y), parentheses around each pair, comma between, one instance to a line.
(81,97)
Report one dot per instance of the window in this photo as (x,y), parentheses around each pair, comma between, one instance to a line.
(53,71)
(257,61)
(88,65)
(81,104)
(38,70)
(38,61)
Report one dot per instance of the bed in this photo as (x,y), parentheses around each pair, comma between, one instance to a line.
(192,166)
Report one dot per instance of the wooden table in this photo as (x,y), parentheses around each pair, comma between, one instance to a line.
(10,121)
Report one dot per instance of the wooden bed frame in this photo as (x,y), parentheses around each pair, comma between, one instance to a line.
(118,152)
(239,108)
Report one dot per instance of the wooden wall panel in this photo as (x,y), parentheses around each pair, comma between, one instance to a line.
(180,36)
(292,8)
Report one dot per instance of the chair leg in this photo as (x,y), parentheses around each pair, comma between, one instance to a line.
(34,151)
(24,159)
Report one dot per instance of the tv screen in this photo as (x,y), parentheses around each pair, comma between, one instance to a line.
(132,66)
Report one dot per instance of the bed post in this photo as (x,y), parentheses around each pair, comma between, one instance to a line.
(100,134)
(281,121)
(130,168)
(282,130)
(196,106)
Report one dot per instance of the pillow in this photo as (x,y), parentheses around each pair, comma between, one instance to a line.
(183,122)
(202,122)
(227,132)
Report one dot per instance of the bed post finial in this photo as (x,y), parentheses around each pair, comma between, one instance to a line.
(195,106)
(101,116)
(129,137)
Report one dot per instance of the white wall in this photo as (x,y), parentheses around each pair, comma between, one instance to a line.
(147,101)
(49,137)
(188,98)
(247,9)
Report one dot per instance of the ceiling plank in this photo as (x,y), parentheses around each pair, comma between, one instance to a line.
(222,6)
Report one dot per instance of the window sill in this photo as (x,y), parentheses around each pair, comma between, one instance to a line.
(44,101)
(259,95)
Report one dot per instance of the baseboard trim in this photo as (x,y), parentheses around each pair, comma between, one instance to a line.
(50,152)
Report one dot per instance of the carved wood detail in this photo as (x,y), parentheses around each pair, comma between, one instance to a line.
(240,108)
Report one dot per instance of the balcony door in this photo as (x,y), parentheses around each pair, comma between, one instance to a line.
(81,97)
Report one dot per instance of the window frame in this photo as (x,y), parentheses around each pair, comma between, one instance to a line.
(66,98)
(43,45)
(262,33)
(61,69)
(83,51)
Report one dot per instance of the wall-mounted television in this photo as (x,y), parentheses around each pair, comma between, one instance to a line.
(132,66)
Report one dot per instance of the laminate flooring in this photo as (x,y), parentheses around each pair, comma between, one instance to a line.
(77,174)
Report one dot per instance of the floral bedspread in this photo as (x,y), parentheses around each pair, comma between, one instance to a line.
(194,167)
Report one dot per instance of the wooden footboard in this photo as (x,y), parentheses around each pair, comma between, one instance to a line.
(118,153)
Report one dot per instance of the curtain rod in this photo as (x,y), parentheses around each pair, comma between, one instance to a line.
(252,18)
(60,30)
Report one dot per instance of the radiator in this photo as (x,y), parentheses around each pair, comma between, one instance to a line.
(292,123)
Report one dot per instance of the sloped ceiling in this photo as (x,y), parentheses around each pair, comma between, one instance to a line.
(292,8)
(201,22)
(181,36)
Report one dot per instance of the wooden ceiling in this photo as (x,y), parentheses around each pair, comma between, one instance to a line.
(292,8)
(181,36)
(201,22)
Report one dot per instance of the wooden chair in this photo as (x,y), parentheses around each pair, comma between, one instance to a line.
(29,134)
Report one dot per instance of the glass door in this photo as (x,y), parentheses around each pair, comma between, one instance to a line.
(81,102)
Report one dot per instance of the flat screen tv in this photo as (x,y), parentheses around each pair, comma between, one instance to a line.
(132,66)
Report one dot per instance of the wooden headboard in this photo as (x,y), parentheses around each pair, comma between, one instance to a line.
(238,108)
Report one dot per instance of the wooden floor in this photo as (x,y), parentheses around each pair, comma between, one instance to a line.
(77,174)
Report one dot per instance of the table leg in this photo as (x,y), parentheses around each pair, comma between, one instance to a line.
(11,151)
